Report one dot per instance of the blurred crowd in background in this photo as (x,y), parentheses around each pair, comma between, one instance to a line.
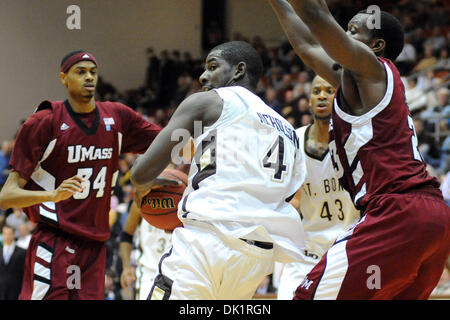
(171,76)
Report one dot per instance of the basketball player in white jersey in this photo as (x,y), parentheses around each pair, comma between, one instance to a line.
(152,243)
(246,168)
(325,207)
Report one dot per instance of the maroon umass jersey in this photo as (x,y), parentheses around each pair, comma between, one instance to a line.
(54,144)
(378,151)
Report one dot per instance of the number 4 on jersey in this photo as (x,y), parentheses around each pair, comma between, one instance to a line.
(275,160)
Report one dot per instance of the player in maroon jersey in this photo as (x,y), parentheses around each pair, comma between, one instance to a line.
(65,165)
(399,247)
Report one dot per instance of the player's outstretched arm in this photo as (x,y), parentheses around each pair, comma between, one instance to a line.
(204,107)
(304,43)
(340,47)
(13,194)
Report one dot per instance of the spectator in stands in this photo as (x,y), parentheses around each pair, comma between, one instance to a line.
(275,77)
(194,87)
(288,113)
(12,264)
(292,63)
(428,83)
(303,85)
(5,154)
(160,117)
(443,62)
(415,97)
(420,11)
(15,219)
(445,188)
(152,73)
(300,110)
(112,289)
(178,64)
(407,58)
(428,61)
(428,146)
(24,237)
(437,40)
(183,86)
(214,35)
(306,119)
(444,167)
(272,100)
(408,24)
(445,119)
(418,37)
(166,80)
(263,52)
(189,64)
(284,86)
(443,98)
(105,90)
(274,59)
(439,13)
(2,224)
(446,115)
(149,100)
(290,99)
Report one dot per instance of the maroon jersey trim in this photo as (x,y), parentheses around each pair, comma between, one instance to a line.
(360,120)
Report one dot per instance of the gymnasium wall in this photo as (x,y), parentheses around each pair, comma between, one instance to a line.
(253,18)
(34,38)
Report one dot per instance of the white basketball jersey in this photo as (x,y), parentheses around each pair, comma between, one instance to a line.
(326,208)
(327,212)
(245,168)
(153,243)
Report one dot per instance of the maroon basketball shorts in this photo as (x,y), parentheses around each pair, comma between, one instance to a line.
(396,251)
(60,266)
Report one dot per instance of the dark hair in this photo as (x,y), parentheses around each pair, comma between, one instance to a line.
(9,227)
(240,51)
(67,56)
(391,32)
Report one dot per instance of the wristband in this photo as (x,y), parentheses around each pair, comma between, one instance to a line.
(126,237)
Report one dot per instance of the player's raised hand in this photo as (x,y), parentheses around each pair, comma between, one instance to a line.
(68,188)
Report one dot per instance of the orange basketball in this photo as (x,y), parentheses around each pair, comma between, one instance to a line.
(160,206)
